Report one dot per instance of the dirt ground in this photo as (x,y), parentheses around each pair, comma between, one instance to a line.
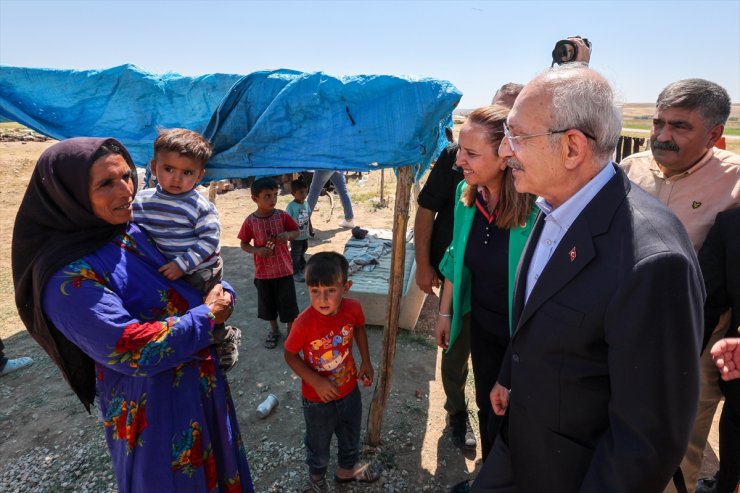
(41,418)
(41,421)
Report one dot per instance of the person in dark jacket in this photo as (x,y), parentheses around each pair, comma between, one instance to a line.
(608,275)
(719,258)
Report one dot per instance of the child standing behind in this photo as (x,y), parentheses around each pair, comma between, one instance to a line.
(184,224)
(332,405)
(298,210)
(270,229)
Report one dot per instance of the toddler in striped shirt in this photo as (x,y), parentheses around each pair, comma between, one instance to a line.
(183,223)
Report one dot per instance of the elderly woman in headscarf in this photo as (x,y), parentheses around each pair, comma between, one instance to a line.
(139,345)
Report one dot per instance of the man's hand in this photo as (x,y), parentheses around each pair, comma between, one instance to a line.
(426,278)
(171,271)
(499,399)
(326,390)
(726,354)
(584,52)
(442,331)
(219,302)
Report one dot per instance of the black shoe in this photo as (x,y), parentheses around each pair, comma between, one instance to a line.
(462,433)
(358,233)
(706,485)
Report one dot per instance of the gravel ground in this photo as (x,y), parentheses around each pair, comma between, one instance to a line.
(82,465)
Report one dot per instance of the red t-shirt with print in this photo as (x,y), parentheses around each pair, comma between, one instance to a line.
(263,229)
(326,342)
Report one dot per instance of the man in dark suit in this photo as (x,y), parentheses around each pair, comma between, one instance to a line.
(602,376)
(719,258)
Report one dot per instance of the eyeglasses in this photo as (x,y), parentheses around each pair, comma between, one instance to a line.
(512,139)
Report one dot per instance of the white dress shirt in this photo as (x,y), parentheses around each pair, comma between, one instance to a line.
(558,220)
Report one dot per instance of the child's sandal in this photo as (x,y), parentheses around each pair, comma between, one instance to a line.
(363,475)
(315,486)
(271,341)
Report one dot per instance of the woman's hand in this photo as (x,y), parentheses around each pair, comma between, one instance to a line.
(499,399)
(442,331)
(219,302)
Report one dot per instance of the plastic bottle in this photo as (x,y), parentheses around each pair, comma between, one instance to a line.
(267,406)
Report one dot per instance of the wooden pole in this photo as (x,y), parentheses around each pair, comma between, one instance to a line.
(395,292)
(382,187)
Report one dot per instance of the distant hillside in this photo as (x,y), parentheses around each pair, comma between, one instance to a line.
(630,110)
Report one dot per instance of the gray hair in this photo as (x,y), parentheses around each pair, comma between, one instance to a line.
(583,99)
(510,89)
(709,98)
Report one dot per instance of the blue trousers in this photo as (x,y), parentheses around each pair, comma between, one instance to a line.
(320,177)
(342,418)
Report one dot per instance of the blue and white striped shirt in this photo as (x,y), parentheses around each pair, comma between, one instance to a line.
(185,227)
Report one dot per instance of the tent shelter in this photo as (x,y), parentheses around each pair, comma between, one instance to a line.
(264,123)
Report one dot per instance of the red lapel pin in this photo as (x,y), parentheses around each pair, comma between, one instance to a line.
(572,254)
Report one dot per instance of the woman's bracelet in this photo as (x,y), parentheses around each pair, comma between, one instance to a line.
(445,315)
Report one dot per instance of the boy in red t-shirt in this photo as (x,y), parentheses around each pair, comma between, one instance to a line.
(332,405)
(270,229)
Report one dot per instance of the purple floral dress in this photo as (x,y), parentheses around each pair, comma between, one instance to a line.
(168,414)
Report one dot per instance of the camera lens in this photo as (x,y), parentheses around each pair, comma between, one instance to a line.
(565,51)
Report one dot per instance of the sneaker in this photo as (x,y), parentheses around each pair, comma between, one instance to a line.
(16,364)
(344,223)
(299,277)
(227,339)
(462,433)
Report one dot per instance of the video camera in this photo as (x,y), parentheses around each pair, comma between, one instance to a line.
(566,51)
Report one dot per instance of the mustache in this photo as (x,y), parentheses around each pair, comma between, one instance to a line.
(513,163)
(664,146)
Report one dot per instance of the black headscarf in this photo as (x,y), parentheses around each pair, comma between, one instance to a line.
(55,225)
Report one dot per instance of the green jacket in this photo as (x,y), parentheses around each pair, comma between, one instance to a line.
(453,267)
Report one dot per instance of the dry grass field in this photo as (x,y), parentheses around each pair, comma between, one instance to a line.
(637,120)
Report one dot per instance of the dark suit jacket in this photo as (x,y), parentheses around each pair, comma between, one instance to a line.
(604,363)
(719,258)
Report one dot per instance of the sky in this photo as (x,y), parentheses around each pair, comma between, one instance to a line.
(640,46)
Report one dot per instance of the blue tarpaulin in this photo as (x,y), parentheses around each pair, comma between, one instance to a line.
(264,123)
